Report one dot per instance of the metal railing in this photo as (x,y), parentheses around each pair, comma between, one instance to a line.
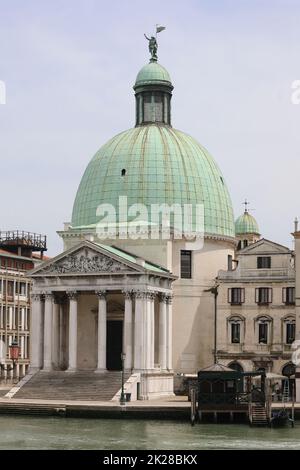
(21,237)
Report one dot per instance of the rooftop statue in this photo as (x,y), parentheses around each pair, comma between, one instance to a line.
(153,46)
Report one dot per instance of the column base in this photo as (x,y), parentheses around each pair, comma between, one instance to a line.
(71,369)
(100,371)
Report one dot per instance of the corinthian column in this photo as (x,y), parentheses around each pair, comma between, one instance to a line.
(72,331)
(36,336)
(102,318)
(163,332)
(127,330)
(139,330)
(48,331)
(169,333)
(55,332)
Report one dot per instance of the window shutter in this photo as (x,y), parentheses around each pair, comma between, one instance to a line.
(229,296)
(270,292)
(284,295)
(242,295)
(257,295)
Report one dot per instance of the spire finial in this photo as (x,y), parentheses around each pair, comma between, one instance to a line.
(246,203)
(153,45)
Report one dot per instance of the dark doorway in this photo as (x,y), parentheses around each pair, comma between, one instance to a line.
(114,345)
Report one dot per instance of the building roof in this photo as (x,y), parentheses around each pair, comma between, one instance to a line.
(133,259)
(246,224)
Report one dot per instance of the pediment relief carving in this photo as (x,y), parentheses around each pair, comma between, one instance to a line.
(85,261)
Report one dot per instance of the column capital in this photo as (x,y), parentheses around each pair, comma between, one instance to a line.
(163,298)
(48,295)
(151,295)
(72,294)
(128,293)
(169,299)
(36,297)
(101,294)
(140,294)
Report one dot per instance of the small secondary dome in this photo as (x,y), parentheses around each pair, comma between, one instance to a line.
(245,224)
(153,73)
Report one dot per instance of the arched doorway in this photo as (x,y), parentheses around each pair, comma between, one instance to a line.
(236,366)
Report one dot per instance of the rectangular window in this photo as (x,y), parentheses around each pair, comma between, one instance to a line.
(235,332)
(21,288)
(185,264)
(264,262)
(290,333)
(288,295)
(263,295)
(263,333)
(236,295)
(10,288)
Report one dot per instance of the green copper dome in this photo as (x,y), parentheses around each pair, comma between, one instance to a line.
(246,223)
(152,73)
(154,163)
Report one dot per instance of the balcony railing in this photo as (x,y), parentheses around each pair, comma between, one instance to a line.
(18,237)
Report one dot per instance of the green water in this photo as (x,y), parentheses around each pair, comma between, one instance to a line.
(66,433)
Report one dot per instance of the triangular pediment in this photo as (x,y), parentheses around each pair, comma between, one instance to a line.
(264,246)
(86,258)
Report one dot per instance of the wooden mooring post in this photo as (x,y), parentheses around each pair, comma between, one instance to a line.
(193,406)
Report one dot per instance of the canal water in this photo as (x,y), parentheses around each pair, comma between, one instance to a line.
(66,433)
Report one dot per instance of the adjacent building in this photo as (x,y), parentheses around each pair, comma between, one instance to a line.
(19,253)
(256,323)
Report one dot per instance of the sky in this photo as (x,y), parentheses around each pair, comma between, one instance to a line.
(69,67)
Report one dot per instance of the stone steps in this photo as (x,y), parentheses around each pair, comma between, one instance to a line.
(81,385)
(259,415)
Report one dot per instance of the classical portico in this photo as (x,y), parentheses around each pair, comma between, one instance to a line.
(93,302)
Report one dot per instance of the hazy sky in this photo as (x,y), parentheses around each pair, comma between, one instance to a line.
(69,67)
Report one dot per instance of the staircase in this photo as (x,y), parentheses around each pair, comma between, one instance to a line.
(81,385)
(258,415)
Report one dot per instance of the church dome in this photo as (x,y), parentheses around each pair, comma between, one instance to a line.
(246,224)
(154,163)
(162,165)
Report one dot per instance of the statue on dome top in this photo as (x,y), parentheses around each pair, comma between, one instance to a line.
(153,46)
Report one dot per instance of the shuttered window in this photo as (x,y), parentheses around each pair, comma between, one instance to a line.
(263,295)
(236,295)
(288,295)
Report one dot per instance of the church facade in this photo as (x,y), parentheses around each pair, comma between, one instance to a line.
(142,298)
